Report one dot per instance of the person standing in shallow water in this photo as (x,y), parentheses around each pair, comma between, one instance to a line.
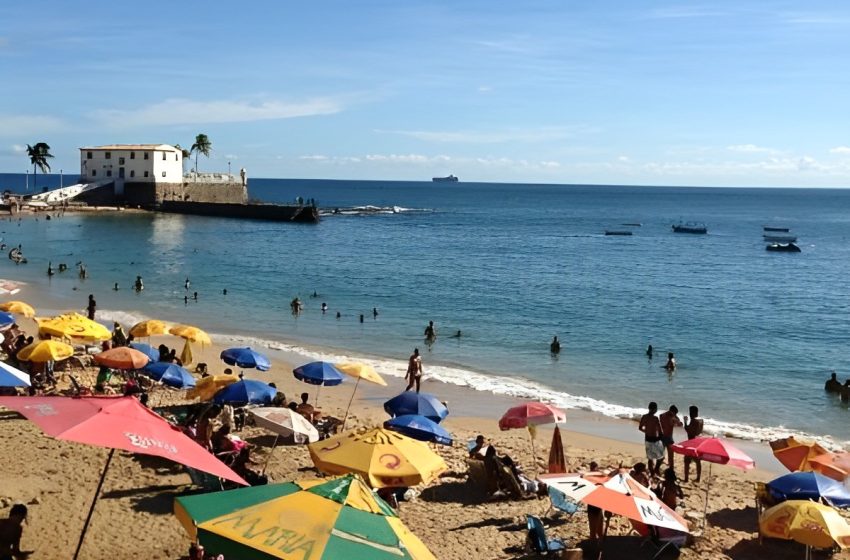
(671,362)
(414,370)
(555,346)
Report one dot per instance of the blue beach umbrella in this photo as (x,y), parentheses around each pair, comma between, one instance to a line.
(809,486)
(146,349)
(6,319)
(13,377)
(423,404)
(170,374)
(245,358)
(246,391)
(419,427)
(319,373)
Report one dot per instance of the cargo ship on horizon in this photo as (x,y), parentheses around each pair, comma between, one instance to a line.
(449,179)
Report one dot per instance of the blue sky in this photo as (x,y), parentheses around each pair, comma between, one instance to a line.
(743,93)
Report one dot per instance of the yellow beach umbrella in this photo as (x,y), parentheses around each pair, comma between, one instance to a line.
(358,371)
(190,333)
(206,387)
(810,523)
(382,457)
(18,307)
(46,350)
(74,326)
(336,519)
(149,328)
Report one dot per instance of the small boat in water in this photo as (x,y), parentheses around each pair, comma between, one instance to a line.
(780,238)
(449,179)
(776,228)
(690,227)
(783,248)
(617,232)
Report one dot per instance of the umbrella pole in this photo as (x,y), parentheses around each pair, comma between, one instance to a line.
(533,456)
(705,507)
(93,502)
(269,456)
(344,418)
(318,390)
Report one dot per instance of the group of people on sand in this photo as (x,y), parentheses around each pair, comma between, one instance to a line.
(833,385)
(657,432)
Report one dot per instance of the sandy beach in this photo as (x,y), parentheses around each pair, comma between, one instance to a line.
(133,519)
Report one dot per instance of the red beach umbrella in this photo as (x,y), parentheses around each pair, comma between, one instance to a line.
(531,414)
(714,450)
(116,423)
(122,357)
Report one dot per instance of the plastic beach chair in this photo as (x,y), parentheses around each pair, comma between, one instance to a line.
(561,503)
(206,482)
(537,540)
(661,538)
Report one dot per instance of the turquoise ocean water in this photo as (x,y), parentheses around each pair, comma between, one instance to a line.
(755,333)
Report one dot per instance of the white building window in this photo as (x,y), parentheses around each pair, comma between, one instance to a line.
(120,161)
(108,155)
(109,173)
(132,173)
(176,157)
(93,172)
(163,173)
(146,173)
(132,155)
(88,155)
(163,156)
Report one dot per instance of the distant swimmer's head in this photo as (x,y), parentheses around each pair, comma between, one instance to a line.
(653,407)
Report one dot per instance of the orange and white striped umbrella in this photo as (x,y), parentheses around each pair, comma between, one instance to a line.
(618,493)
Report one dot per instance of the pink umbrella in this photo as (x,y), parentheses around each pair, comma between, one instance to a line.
(714,450)
(531,414)
(116,423)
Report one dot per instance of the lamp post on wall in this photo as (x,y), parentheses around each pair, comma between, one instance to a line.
(28,180)
(228,171)
(61,182)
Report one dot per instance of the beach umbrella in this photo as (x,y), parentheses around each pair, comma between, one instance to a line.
(809,486)
(557,461)
(382,457)
(419,427)
(146,349)
(336,519)
(359,371)
(794,454)
(206,387)
(617,493)
(116,423)
(809,523)
(45,351)
(318,373)
(6,319)
(713,450)
(245,358)
(13,377)
(528,415)
(149,328)
(122,357)
(284,422)
(191,334)
(75,327)
(833,465)
(423,404)
(18,307)
(246,391)
(170,374)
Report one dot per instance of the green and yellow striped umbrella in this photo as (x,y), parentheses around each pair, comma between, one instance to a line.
(338,518)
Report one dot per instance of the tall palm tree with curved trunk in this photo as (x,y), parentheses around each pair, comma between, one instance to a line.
(39,154)
(202,145)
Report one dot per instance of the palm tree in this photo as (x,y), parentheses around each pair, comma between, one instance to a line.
(202,145)
(185,153)
(39,154)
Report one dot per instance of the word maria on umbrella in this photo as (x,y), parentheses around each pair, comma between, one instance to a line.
(257,529)
(42,409)
(144,442)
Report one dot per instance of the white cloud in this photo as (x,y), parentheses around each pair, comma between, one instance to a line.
(231,156)
(683,12)
(843,150)
(314,158)
(493,137)
(19,126)
(750,149)
(624,159)
(187,111)
(485,89)
(421,160)
(18,149)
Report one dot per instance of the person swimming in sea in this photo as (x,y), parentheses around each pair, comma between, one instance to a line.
(186,284)
(671,362)
(649,351)
(50,268)
(456,335)
(139,285)
(324,308)
(555,346)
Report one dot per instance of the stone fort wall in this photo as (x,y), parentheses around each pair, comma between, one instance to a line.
(146,194)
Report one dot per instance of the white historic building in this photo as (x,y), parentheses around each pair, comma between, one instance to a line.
(134,163)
